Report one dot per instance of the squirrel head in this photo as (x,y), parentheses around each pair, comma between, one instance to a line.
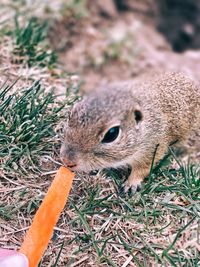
(102,131)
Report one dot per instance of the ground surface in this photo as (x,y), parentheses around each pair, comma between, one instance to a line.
(159,226)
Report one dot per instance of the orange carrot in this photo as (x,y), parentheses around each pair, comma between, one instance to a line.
(41,229)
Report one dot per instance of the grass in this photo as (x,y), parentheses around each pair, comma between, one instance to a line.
(28,141)
(30,46)
(122,49)
(149,226)
(27,120)
(76,7)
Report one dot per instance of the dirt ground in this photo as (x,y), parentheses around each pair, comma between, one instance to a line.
(133,35)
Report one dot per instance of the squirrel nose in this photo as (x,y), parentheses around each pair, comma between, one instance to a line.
(69,163)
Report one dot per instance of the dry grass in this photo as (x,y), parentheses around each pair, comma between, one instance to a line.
(159,226)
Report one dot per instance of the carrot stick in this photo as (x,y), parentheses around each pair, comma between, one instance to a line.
(41,229)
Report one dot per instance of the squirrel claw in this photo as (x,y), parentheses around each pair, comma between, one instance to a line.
(126,188)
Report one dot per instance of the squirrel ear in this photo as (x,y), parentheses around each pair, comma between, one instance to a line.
(138,115)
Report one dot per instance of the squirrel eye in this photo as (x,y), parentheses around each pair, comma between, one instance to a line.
(111,135)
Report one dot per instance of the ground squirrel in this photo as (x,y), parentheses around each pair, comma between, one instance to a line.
(123,123)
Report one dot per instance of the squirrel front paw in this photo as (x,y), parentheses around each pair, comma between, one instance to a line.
(133,184)
(130,187)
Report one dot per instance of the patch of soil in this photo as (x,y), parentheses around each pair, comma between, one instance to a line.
(179,22)
(117,48)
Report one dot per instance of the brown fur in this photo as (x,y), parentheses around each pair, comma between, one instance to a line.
(170,107)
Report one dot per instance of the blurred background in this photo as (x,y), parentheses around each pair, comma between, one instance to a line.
(107,40)
(122,39)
